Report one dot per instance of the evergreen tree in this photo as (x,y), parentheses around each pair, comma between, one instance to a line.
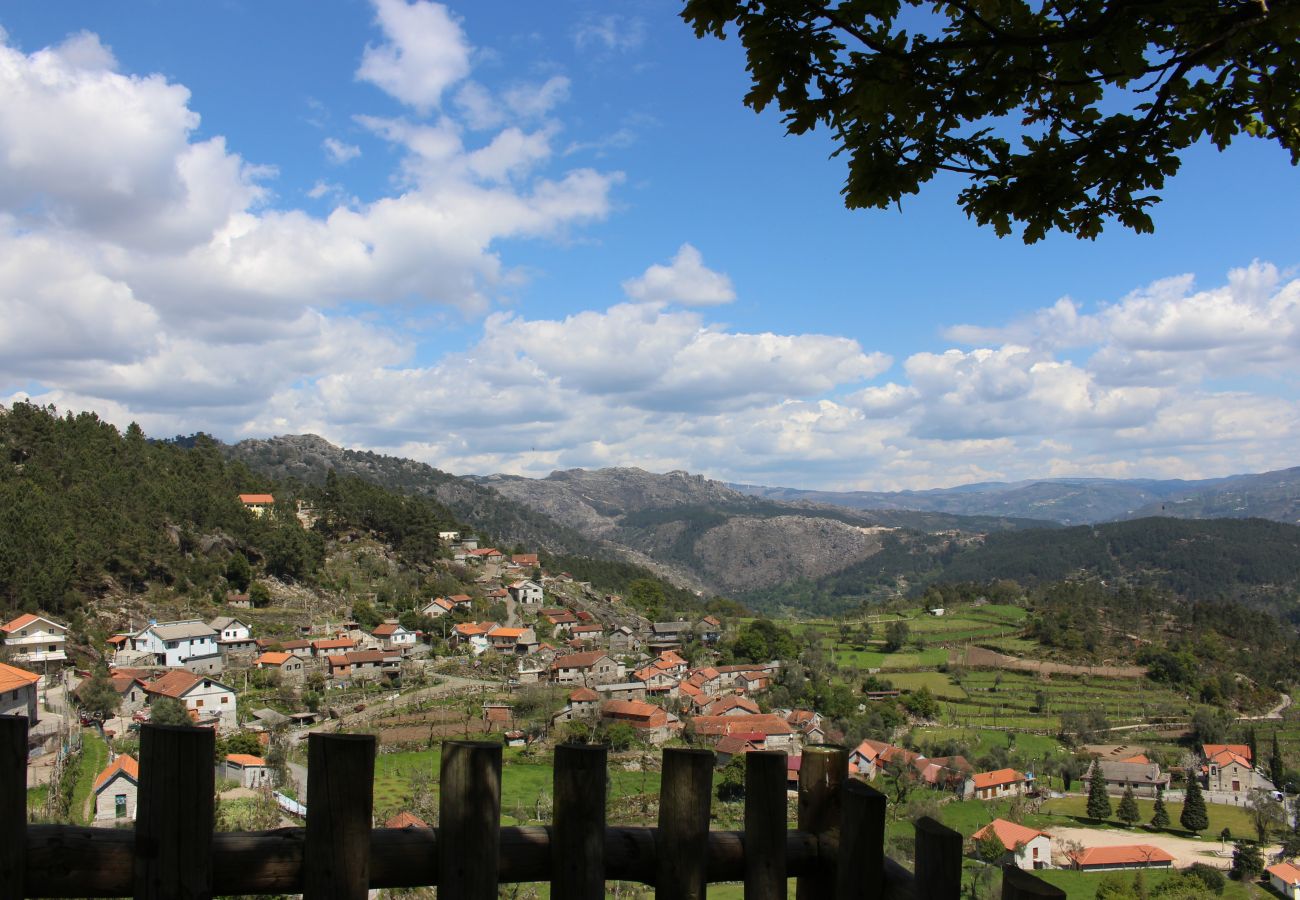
(1250,742)
(1160,817)
(169,711)
(1128,808)
(1247,862)
(1194,816)
(97,695)
(1098,801)
(1276,770)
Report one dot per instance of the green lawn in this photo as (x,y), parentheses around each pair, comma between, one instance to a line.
(94,757)
(940,685)
(1234,818)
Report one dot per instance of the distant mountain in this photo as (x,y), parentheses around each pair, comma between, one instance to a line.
(1080,501)
(719,537)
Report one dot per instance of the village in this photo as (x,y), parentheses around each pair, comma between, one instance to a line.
(606,673)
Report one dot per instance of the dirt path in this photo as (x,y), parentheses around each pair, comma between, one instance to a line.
(1185,851)
(1274,713)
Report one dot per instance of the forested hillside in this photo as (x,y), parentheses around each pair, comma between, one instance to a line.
(1250,560)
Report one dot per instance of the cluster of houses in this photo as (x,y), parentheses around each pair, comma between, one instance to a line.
(1028,848)
(1226,771)
(117,787)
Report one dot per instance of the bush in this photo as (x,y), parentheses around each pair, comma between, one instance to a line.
(1209,876)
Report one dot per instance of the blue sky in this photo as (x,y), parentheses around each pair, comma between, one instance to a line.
(511,236)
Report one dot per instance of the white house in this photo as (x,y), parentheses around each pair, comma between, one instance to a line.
(529,593)
(209,701)
(36,638)
(1285,879)
(250,771)
(191,644)
(116,789)
(230,629)
(18,692)
(1026,848)
(394,637)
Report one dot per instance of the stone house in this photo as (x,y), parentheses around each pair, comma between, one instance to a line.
(116,790)
(1026,847)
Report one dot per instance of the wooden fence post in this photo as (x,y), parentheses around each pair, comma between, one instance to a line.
(938,860)
(765,772)
(1020,885)
(13,806)
(469,820)
(682,842)
(862,843)
(578,841)
(174,812)
(824,769)
(340,792)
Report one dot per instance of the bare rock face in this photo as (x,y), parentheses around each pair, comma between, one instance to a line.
(748,553)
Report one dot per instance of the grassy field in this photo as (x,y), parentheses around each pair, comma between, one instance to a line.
(1234,818)
(94,757)
(1084,884)
(522,781)
(939,684)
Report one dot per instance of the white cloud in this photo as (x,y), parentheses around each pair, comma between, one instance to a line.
(425,53)
(339,152)
(609,33)
(686,281)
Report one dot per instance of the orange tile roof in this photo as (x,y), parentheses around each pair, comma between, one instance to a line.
(333,644)
(406,820)
(271,658)
(1120,855)
(506,632)
(256,498)
(993,779)
(12,677)
(173,684)
(1009,833)
(1242,750)
(125,764)
(584,695)
(245,759)
(1140,758)
(578,660)
(1285,871)
(21,622)
(386,629)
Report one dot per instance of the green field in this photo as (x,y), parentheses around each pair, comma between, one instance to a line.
(938,683)
(1234,818)
(1084,884)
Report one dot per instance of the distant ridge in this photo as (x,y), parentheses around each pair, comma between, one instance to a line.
(1081,501)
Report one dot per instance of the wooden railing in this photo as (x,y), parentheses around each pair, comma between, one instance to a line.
(837,850)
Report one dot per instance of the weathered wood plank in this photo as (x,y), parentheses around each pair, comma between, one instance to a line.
(862,843)
(765,828)
(340,791)
(938,860)
(13,805)
(682,843)
(469,820)
(578,842)
(824,770)
(174,813)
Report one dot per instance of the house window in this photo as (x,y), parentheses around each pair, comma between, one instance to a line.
(1035,853)
(198,704)
(119,806)
(225,699)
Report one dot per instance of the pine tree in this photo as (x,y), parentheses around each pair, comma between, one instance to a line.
(1194,817)
(1250,743)
(1128,808)
(1098,802)
(1160,817)
(1276,770)
(1247,862)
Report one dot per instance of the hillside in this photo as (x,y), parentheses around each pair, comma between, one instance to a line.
(1081,501)
(714,534)
(1254,561)
(309,458)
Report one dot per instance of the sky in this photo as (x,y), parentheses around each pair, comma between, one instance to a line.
(520,237)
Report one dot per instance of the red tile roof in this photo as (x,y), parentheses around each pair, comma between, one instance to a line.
(993,779)
(175,683)
(385,630)
(584,695)
(21,622)
(1120,855)
(333,644)
(246,760)
(12,677)
(1009,833)
(723,725)
(256,498)
(1241,750)
(1289,874)
(406,820)
(125,764)
(271,658)
(578,660)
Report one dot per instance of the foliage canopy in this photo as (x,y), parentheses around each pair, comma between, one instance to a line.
(1060,115)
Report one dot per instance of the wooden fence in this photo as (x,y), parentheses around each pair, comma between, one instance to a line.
(837,850)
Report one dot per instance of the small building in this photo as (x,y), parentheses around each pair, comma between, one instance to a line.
(1285,879)
(18,692)
(1026,848)
(130,691)
(191,644)
(1144,778)
(996,785)
(870,757)
(1120,856)
(116,790)
(525,560)
(528,593)
(258,504)
(250,771)
(289,666)
(332,646)
(669,635)
(653,724)
(1228,768)
(209,701)
(34,638)
(233,635)
(394,637)
(498,713)
(589,668)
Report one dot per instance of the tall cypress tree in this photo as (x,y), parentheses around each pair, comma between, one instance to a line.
(1128,808)
(1276,770)
(1250,742)
(1098,802)
(1160,816)
(1194,817)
